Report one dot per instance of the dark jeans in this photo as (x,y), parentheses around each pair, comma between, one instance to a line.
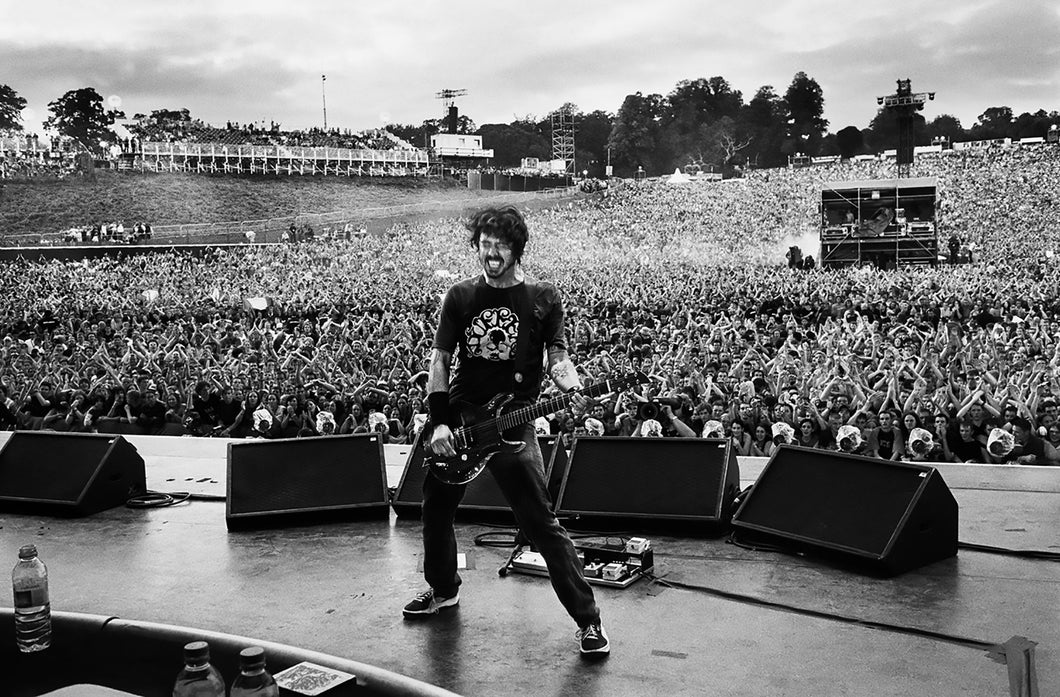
(521,478)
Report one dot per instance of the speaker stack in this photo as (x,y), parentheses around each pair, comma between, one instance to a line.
(68,474)
(878,516)
(303,481)
(483,500)
(643,483)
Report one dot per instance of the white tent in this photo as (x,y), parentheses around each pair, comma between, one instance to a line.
(679,177)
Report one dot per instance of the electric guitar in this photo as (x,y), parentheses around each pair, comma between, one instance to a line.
(479,433)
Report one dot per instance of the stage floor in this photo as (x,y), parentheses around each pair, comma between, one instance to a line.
(741,622)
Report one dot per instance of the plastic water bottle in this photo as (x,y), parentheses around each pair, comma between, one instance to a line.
(253,680)
(198,678)
(33,610)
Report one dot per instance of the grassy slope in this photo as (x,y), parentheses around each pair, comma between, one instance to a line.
(42,206)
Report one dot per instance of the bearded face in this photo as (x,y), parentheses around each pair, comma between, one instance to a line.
(496,256)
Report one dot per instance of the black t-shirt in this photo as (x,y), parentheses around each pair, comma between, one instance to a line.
(1035,446)
(982,430)
(885,442)
(227,412)
(481,325)
(986,318)
(953,437)
(206,408)
(152,417)
(967,450)
(36,409)
(828,440)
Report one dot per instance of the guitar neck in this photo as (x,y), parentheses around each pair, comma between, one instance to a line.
(518,417)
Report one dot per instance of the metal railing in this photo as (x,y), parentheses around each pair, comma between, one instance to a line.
(281,152)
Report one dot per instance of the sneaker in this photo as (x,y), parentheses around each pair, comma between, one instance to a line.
(427,603)
(593,640)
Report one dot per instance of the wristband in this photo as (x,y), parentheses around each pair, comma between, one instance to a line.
(438,405)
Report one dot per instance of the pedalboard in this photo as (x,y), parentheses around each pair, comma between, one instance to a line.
(616,564)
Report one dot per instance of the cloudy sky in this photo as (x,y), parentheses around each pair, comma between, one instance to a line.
(246,61)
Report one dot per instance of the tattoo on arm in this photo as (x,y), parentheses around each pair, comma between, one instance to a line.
(438,373)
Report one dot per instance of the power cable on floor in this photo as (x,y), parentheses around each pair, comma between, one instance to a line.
(159,499)
(752,600)
(1008,552)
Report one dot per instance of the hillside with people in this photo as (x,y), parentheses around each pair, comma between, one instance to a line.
(41,208)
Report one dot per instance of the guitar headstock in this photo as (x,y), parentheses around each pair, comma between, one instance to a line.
(624,382)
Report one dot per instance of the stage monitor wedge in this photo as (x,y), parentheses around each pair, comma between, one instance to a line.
(879,516)
(483,499)
(68,474)
(646,481)
(301,481)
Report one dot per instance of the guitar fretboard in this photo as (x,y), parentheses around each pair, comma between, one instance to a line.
(518,417)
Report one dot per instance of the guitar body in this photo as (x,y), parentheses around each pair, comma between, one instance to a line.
(478,432)
(477,439)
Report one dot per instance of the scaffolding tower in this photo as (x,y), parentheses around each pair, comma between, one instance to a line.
(563,139)
(903,105)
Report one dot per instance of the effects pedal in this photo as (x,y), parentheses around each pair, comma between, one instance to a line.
(617,564)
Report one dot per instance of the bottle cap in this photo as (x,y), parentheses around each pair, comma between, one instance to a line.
(27,551)
(252,657)
(196,653)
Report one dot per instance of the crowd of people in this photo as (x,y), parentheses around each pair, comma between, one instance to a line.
(29,166)
(29,155)
(108,233)
(154,129)
(688,284)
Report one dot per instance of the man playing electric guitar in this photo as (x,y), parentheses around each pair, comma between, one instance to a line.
(500,326)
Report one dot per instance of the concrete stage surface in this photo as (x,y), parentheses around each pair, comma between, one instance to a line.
(732,622)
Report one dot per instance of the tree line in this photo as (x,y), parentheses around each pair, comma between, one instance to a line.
(703,123)
(79,114)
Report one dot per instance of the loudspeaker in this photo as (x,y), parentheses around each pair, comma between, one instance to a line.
(483,499)
(302,481)
(68,474)
(650,480)
(882,516)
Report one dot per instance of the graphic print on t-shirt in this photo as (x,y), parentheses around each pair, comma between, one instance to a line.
(492,334)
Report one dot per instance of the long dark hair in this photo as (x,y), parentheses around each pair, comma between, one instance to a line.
(506,224)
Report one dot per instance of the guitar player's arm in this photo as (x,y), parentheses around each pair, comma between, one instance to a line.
(564,374)
(437,392)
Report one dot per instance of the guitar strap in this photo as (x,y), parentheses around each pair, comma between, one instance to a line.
(524,309)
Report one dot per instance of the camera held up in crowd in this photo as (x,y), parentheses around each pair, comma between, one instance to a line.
(652,408)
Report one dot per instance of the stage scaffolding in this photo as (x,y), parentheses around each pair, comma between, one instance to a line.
(884,222)
(563,139)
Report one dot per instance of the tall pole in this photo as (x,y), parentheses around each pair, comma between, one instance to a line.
(324,99)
